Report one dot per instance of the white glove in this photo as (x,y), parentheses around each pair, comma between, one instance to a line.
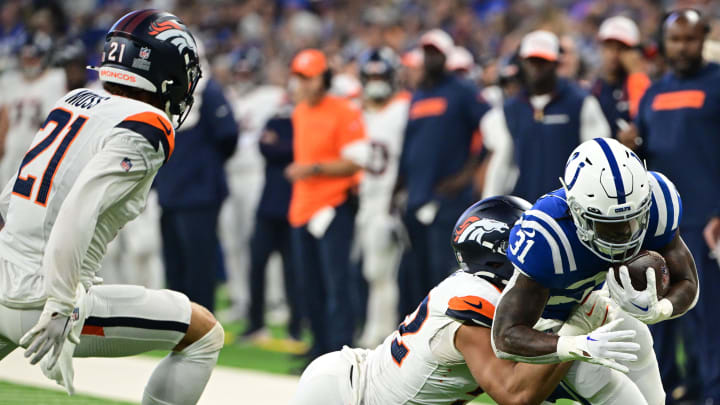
(601,346)
(50,332)
(643,305)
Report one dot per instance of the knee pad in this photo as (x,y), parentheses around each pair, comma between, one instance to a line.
(209,344)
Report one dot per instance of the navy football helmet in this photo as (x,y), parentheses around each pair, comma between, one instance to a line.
(480,237)
(154,51)
(377,72)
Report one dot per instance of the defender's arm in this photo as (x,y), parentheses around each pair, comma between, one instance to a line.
(507,382)
(520,307)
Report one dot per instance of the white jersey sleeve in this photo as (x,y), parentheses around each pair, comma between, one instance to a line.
(104,181)
(419,363)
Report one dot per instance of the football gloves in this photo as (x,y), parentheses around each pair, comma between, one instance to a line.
(643,305)
(50,332)
(603,346)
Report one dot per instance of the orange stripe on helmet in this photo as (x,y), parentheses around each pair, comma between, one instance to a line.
(163,26)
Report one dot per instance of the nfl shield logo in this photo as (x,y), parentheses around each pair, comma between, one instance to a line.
(144,52)
(126,164)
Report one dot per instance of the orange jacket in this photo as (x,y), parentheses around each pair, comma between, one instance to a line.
(321,132)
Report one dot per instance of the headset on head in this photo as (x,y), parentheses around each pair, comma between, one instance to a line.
(690,14)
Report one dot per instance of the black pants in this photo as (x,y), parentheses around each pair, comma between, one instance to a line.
(190,252)
(271,235)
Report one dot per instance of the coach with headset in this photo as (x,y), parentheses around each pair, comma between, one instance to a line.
(329,138)
(679,123)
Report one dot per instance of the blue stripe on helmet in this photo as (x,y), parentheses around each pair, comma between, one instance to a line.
(614,168)
(668,201)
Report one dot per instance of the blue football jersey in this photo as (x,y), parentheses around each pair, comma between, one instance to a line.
(544,245)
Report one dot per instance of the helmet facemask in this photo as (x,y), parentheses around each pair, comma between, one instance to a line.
(615,239)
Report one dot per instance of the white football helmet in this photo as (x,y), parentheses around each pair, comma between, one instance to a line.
(609,196)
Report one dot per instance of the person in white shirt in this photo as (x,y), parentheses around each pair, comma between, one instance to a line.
(87,173)
(385,113)
(26,97)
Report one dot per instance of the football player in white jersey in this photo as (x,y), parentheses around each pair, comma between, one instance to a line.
(26,96)
(253,105)
(87,173)
(385,112)
(441,353)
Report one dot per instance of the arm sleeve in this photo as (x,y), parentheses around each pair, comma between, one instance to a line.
(593,123)
(224,128)
(102,183)
(282,150)
(501,173)
(354,145)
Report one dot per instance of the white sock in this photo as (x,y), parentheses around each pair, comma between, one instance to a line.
(180,378)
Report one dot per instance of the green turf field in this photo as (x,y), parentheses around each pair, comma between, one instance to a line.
(13,394)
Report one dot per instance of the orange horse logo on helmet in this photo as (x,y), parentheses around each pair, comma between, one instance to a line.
(475,228)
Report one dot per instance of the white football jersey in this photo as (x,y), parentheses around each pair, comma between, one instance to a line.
(87,173)
(385,129)
(28,103)
(419,363)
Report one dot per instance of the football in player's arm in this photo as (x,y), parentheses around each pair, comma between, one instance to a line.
(443,351)
(608,209)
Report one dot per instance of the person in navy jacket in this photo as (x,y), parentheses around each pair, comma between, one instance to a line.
(530,137)
(191,188)
(679,124)
(436,168)
(272,229)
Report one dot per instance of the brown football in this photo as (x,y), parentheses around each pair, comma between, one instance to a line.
(637,267)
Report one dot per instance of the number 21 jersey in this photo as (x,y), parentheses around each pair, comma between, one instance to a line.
(87,173)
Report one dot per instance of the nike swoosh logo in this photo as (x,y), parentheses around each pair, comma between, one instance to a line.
(591,339)
(479,306)
(591,310)
(644,309)
(167,130)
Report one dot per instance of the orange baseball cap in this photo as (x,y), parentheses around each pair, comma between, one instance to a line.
(309,63)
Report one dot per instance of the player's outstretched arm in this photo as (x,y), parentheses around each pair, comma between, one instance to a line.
(507,382)
(684,287)
(513,336)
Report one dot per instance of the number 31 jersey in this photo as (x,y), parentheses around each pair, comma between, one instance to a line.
(419,363)
(544,245)
(87,173)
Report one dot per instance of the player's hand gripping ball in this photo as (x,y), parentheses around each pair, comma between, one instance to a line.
(637,270)
(639,285)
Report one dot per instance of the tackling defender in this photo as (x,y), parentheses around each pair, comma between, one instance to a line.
(88,173)
(609,208)
(442,352)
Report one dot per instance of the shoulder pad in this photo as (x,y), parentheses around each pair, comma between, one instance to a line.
(471,309)
(539,247)
(665,211)
(154,127)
